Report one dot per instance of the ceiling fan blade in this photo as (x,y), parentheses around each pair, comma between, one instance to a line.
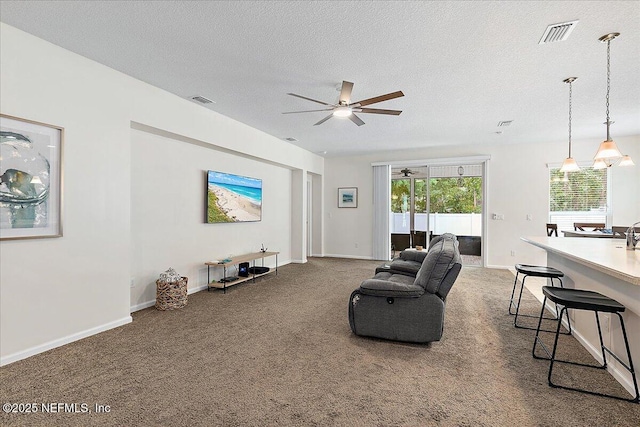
(380,98)
(345,92)
(355,119)
(380,111)
(307,111)
(324,120)
(308,99)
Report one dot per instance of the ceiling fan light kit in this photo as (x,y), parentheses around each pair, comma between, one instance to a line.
(342,112)
(346,108)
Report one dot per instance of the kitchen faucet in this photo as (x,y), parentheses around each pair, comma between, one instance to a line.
(632,239)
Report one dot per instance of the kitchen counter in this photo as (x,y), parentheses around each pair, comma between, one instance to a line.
(605,266)
(609,256)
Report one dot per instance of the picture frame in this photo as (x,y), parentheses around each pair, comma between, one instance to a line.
(348,197)
(30,179)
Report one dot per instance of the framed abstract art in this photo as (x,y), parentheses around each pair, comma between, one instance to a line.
(30,179)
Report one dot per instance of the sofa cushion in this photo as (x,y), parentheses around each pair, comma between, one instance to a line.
(405,267)
(396,285)
(412,256)
(441,257)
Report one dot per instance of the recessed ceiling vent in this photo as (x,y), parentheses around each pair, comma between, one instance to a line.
(201,99)
(558,32)
(505,123)
(290,139)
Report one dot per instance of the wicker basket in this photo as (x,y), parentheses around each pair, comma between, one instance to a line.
(170,296)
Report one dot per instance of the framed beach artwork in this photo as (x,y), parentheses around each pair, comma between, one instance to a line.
(30,179)
(348,197)
(233,198)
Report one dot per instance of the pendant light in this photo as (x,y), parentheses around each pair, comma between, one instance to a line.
(608,153)
(569,164)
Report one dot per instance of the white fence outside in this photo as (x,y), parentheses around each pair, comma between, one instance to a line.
(459,224)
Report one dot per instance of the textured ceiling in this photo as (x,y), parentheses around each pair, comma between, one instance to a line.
(463,66)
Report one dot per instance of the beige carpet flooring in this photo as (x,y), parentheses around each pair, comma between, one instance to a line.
(280,352)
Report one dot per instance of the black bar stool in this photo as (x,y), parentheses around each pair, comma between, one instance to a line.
(578,299)
(534,271)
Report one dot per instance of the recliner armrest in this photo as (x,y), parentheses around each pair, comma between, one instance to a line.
(387,288)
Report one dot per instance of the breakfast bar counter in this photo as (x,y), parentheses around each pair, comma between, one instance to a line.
(609,256)
(605,266)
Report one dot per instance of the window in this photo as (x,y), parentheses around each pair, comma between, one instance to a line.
(580,196)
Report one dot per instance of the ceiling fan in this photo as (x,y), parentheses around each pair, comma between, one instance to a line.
(346,108)
(406,172)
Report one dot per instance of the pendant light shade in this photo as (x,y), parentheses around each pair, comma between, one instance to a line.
(600,164)
(569,164)
(626,161)
(608,153)
(608,150)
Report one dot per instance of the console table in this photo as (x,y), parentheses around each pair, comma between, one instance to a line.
(224,284)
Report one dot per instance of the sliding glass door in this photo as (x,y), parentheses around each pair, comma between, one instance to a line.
(428,201)
(456,206)
(408,222)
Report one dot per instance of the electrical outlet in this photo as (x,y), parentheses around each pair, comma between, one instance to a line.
(356,246)
(529,217)
(513,253)
(132,283)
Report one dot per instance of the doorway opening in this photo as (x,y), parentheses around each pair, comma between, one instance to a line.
(427,201)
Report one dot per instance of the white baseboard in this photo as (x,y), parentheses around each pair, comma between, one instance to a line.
(142,306)
(500,267)
(298,261)
(5,360)
(347,256)
(152,302)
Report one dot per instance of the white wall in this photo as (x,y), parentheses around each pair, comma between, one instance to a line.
(53,291)
(348,231)
(517,185)
(168,208)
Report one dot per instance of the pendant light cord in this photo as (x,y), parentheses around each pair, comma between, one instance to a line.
(608,85)
(570,95)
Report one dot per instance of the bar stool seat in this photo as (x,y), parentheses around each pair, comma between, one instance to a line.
(534,271)
(583,300)
(579,299)
(539,271)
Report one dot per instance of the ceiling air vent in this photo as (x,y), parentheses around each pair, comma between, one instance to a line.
(505,123)
(201,99)
(558,32)
(290,139)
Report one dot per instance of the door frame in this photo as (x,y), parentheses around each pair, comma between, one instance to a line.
(448,161)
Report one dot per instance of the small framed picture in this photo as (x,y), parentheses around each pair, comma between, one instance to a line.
(30,179)
(348,197)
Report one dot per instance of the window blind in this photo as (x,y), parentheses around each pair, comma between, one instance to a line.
(577,197)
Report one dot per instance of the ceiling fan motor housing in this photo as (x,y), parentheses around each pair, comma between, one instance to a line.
(345,108)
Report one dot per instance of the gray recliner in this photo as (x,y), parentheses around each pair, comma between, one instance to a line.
(396,306)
